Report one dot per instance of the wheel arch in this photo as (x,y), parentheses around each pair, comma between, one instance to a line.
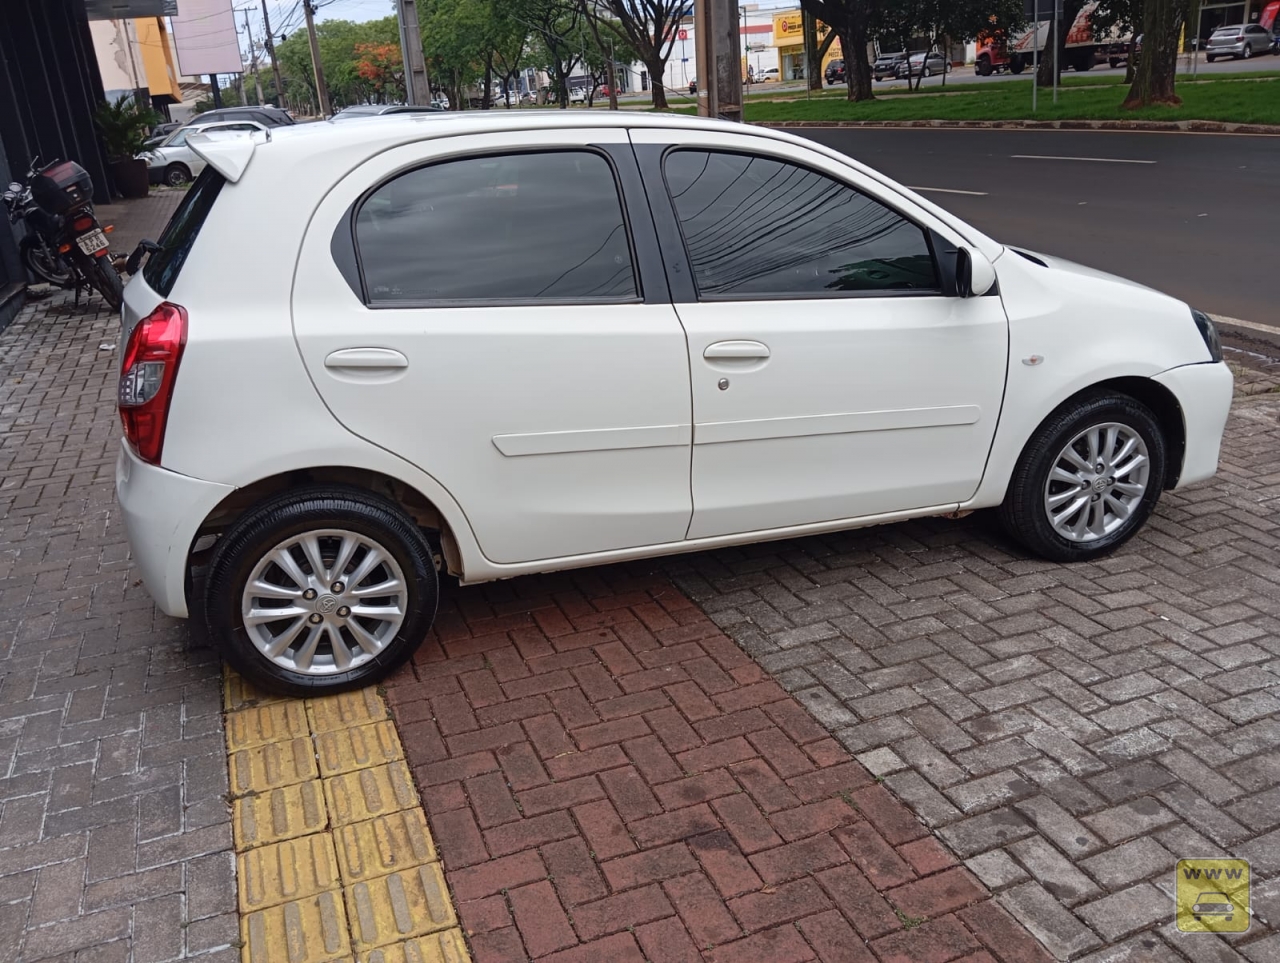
(1162,402)
(424,513)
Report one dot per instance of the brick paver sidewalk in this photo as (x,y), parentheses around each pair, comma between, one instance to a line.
(114,831)
(1070,731)
(609,777)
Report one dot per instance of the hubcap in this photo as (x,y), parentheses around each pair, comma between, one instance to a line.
(324,602)
(1096,482)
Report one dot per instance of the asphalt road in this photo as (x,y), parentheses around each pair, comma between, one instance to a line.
(1195,215)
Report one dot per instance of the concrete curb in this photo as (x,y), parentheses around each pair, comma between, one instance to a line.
(1159,126)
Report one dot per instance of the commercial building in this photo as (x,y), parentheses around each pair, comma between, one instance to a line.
(135,56)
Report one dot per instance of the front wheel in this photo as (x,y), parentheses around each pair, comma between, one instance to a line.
(104,278)
(44,263)
(175,175)
(1088,479)
(321,590)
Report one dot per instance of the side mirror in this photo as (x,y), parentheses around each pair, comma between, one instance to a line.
(975,275)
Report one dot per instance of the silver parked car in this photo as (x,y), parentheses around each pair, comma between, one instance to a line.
(931,63)
(1240,41)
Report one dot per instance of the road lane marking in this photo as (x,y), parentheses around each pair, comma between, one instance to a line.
(1251,325)
(948,190)
(1096,160)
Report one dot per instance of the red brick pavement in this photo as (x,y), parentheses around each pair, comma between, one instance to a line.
(609,777)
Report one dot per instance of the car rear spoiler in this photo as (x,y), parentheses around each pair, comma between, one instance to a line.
(228,151)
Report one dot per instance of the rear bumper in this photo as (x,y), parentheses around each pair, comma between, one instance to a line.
(162,512)
(1204,395)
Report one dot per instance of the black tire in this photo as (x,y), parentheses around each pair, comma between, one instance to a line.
(253,536)
(44,263)
(1248,52)
(1113,63)
(1023,511)
(175,175)
(1017,65)
(1209,58)
(104,278)
(984,66)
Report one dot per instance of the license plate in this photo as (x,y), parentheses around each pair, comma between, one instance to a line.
(93,242)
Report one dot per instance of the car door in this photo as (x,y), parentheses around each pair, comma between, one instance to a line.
(832,378)
(480,306)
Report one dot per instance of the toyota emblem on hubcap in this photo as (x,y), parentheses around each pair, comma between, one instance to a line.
(326,605)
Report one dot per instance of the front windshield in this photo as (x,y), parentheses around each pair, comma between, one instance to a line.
(177,138)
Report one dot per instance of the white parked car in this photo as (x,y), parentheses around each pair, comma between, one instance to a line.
(493,345)
(175,163)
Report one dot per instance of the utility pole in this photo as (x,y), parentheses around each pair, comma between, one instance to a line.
(322,92)
(417,88)
(271,51)
(253,57)
(719,59)
(213,89)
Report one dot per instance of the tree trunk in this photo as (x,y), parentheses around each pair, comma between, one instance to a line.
(487,100)
(857,67)
(1153,80)
(1044,76)
(813,58)
(657,69)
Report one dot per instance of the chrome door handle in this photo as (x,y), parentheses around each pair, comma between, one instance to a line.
(736,351)
(366,358)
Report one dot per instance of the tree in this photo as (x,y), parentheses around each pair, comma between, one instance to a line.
(381,66)
(651,28)
(559,39)
(1154,76)
(851,21)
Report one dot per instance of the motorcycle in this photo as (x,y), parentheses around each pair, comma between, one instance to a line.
(64,244)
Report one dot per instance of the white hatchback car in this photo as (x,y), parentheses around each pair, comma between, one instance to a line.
(497,344)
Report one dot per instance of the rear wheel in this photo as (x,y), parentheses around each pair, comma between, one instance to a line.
(104,278)
(1016,65)
(1248,51)
(1088,479)
(321,590)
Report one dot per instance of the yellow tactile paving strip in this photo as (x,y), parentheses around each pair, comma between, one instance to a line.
(334,859)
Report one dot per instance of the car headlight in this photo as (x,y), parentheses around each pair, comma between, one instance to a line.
(1208,331)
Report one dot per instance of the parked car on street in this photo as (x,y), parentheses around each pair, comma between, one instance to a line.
(377,110)
(1240,41)
(768,75)
(931,64)
(174,163)
(834,74)
(609,396)
(887,64)
(266,115)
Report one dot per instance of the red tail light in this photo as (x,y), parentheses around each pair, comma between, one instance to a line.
(147,376)
(82,223)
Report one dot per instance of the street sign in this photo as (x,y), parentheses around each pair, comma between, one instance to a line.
(1042,9)
(682,35)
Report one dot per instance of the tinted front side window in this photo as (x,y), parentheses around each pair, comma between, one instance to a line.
(514,227)
(755,227)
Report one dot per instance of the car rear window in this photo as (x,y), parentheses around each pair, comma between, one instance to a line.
(164,265)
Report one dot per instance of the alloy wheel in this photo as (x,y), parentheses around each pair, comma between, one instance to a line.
(324,602)
(1097,481)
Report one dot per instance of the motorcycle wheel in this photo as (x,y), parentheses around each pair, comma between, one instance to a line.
(104,279)
(45,264)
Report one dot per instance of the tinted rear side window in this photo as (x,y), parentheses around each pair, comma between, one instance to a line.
(511,227)
(164,265)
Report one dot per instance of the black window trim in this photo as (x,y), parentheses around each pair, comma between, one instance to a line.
(353,212)
(928,233)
